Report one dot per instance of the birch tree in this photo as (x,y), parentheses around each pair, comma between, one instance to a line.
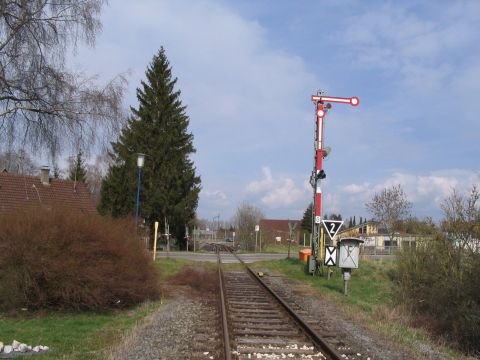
(390,207)
(42,103)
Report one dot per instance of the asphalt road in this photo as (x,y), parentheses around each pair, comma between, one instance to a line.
(226,258)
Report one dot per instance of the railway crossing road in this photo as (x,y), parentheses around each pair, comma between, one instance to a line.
(212,257)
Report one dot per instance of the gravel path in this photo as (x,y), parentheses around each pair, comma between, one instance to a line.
(166,334)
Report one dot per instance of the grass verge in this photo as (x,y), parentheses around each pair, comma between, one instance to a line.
(72,335)
(283,249)
(170,267)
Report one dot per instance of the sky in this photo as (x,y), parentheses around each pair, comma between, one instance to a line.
(246,70)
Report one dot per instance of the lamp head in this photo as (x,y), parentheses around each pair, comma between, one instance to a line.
(326,151)
(140,160)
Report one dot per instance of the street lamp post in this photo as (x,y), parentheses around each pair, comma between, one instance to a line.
(218,225)
(140,161)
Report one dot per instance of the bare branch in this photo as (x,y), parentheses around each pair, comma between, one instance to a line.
(40,100)
(389,207)
(462,219)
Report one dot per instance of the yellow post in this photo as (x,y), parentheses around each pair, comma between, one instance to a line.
(155,240)
(322,244)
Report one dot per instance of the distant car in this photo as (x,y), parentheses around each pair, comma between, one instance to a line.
(228,240)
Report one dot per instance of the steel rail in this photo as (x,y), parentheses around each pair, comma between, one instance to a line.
(226,338)
(312,334)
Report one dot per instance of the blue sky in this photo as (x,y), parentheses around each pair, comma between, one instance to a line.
(247,69)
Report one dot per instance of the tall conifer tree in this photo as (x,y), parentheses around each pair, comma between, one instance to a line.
(307,218)
(158,128)
(77,171)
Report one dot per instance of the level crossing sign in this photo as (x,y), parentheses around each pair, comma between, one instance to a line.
(332,227)
(330,256)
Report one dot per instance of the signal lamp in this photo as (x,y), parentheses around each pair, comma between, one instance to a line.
(321,175)
(326,151)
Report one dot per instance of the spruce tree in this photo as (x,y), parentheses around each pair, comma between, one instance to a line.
(337,217)
(307,218)
(56,172)
(158,128)
(78,171)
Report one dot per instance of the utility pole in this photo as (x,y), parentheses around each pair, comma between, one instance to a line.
(291,227)
(322,106)
(167,235)
(213,226)
(194,237)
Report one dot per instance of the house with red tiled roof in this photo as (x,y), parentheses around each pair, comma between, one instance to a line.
(20,191)
(278,231)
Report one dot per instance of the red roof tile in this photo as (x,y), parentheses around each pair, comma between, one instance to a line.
(17,191)
(278,225)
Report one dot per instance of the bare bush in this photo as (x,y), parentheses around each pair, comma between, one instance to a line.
(439,279)
(61,259)
(245,219)
(200,280)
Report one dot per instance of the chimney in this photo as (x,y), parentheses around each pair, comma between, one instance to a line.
(45,175)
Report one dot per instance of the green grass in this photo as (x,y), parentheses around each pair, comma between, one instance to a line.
(72,335)
(82,335)
(169,267)
(283,249)
(368,287)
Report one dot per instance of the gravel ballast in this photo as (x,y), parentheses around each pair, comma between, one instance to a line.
(188,327)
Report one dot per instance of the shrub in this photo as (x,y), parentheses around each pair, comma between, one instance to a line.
(440,284)
(60,259)
(201,281)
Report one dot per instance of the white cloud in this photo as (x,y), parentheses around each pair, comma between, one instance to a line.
(426,192)
(215,195)
(277,191)
(396,39)
(354,188)
(437,185)
(284,193)
(215,202)
(261,185)
(332,203)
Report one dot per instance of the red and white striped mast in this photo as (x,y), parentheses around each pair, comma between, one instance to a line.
(322,106)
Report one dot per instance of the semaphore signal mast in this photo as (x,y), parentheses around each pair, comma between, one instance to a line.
(322,106)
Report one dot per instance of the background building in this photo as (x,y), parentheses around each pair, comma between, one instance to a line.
(277,231)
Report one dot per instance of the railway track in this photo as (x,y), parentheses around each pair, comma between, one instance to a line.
(258,324)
